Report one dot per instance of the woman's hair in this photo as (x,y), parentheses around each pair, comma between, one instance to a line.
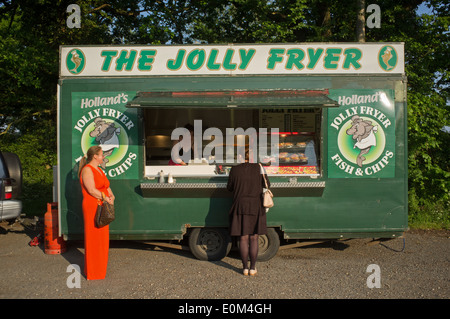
(93,150)
(189,127)
(246,158)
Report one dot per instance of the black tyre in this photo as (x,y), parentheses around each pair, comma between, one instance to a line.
(209,243)
(15,172)
(268,245)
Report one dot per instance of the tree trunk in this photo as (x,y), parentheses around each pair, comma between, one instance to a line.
(361,21)
(326,34)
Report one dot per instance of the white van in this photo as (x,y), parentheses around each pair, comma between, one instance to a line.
(10,186)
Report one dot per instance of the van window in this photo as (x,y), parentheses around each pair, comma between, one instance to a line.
(286,141)
(3,173)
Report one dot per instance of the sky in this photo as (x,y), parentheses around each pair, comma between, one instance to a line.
(424,9)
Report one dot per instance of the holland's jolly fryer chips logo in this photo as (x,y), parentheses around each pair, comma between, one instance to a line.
(101,119)
(362,135)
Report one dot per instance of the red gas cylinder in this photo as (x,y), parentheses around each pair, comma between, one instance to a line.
(52,243)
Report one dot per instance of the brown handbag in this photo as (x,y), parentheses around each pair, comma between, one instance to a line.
(105,213)
(267,195)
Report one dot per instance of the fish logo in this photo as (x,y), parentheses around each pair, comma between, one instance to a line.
(387,58)
(75,61)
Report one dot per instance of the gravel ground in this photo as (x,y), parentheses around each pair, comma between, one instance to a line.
(336,270)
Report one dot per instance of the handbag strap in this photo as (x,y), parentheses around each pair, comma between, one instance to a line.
(264,175)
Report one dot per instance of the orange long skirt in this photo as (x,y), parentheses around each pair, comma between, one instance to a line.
(96,240)
(96,245)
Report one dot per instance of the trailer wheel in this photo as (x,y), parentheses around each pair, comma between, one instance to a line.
(209,243)
(268,245)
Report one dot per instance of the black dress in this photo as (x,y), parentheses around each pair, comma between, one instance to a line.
(247,214)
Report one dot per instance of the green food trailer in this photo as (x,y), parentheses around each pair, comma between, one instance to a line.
(327,120)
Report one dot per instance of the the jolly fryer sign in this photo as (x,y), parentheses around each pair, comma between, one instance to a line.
(263,59)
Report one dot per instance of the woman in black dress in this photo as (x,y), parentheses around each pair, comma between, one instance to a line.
(247,214)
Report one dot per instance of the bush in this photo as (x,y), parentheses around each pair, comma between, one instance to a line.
(428,214)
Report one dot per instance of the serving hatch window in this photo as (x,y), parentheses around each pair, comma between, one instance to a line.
(210,141)
(205,133)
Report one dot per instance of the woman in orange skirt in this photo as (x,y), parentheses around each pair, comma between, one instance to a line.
(96,240)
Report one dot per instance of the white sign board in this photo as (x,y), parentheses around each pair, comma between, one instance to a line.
(232,59)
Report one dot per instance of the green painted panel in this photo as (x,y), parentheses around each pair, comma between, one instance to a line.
(345,206)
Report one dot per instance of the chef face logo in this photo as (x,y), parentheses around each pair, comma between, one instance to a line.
(387,58)
(75,61)
(111,137)
(361,141)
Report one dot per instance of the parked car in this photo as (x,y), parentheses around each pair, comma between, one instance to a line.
(10,186)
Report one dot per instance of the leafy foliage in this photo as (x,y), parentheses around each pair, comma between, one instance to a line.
(32,30)
(30,35)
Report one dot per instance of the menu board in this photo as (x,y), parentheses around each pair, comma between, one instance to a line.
(303,122)
(271,119)
(288,120)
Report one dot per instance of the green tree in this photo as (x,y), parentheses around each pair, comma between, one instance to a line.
(32,30)
(30,35)
(426,40)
